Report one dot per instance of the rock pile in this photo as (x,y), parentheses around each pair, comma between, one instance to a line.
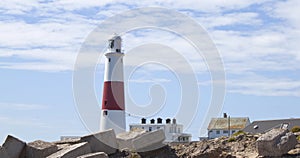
(141,144)
(98,145)
(243,145)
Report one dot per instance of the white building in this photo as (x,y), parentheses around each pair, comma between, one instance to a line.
(173,131)
(226,126)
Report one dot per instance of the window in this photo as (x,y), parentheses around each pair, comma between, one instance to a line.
(111,43)
(105,102)
(108,59)
(233,131)
(105,113)
(217,132)
(142,127)
(150,128)
(157,127)
(225,131)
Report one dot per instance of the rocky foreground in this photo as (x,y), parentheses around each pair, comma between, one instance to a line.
(136,144)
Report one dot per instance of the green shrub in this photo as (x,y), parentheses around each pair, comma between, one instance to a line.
(231,139)
(298,138)
(296,129)
(238,133)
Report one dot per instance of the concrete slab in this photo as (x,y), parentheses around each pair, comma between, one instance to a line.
(141,141)
(72,151)
(95,155)
(14,147)
(125,139)
(149,141)
(104,141)
(39,148)
(3,153)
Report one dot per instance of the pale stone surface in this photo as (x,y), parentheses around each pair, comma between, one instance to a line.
(72,151)
(14,147)
(140,140)
(39,148)
(104,141)
(297,134)
(149,141)
(69,141)
(95,155)
(275,142)
(125,139)
(62,146)
(3,153)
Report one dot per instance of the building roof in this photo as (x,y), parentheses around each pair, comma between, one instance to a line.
(222,123)
(266,125)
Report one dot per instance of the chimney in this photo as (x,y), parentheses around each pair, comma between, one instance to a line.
(174,121)
(152,121)
(224,115)
(168,121)
(159,121)
(143,121)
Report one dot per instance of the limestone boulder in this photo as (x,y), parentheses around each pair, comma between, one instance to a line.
(14,147)
(125,139)
(104,141)
(276,142)
(141,141)
(39,148)
(72,151)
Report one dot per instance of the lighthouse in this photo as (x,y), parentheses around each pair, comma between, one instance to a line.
(113,102)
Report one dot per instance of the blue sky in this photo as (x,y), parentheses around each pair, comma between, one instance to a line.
(258,41)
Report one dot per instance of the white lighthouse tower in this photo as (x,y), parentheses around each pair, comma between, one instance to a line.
(113,102)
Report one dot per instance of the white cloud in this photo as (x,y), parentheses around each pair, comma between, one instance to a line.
(211,20)
(155,80)
(287,11)
(22,107)
(51,42)
(17,7)
(265,87)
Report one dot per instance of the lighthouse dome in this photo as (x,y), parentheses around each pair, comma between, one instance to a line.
(115,43)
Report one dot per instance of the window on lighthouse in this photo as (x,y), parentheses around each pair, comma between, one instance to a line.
(104,113)
(111,44)
(108,59)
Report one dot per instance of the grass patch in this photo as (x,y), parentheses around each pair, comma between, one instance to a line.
(238,133)
(231,139)
(296,129)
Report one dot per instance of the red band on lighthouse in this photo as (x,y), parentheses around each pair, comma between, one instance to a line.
(113,96)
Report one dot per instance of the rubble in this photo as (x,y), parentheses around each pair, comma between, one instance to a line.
(14,147)
(39,148)
(142,144)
